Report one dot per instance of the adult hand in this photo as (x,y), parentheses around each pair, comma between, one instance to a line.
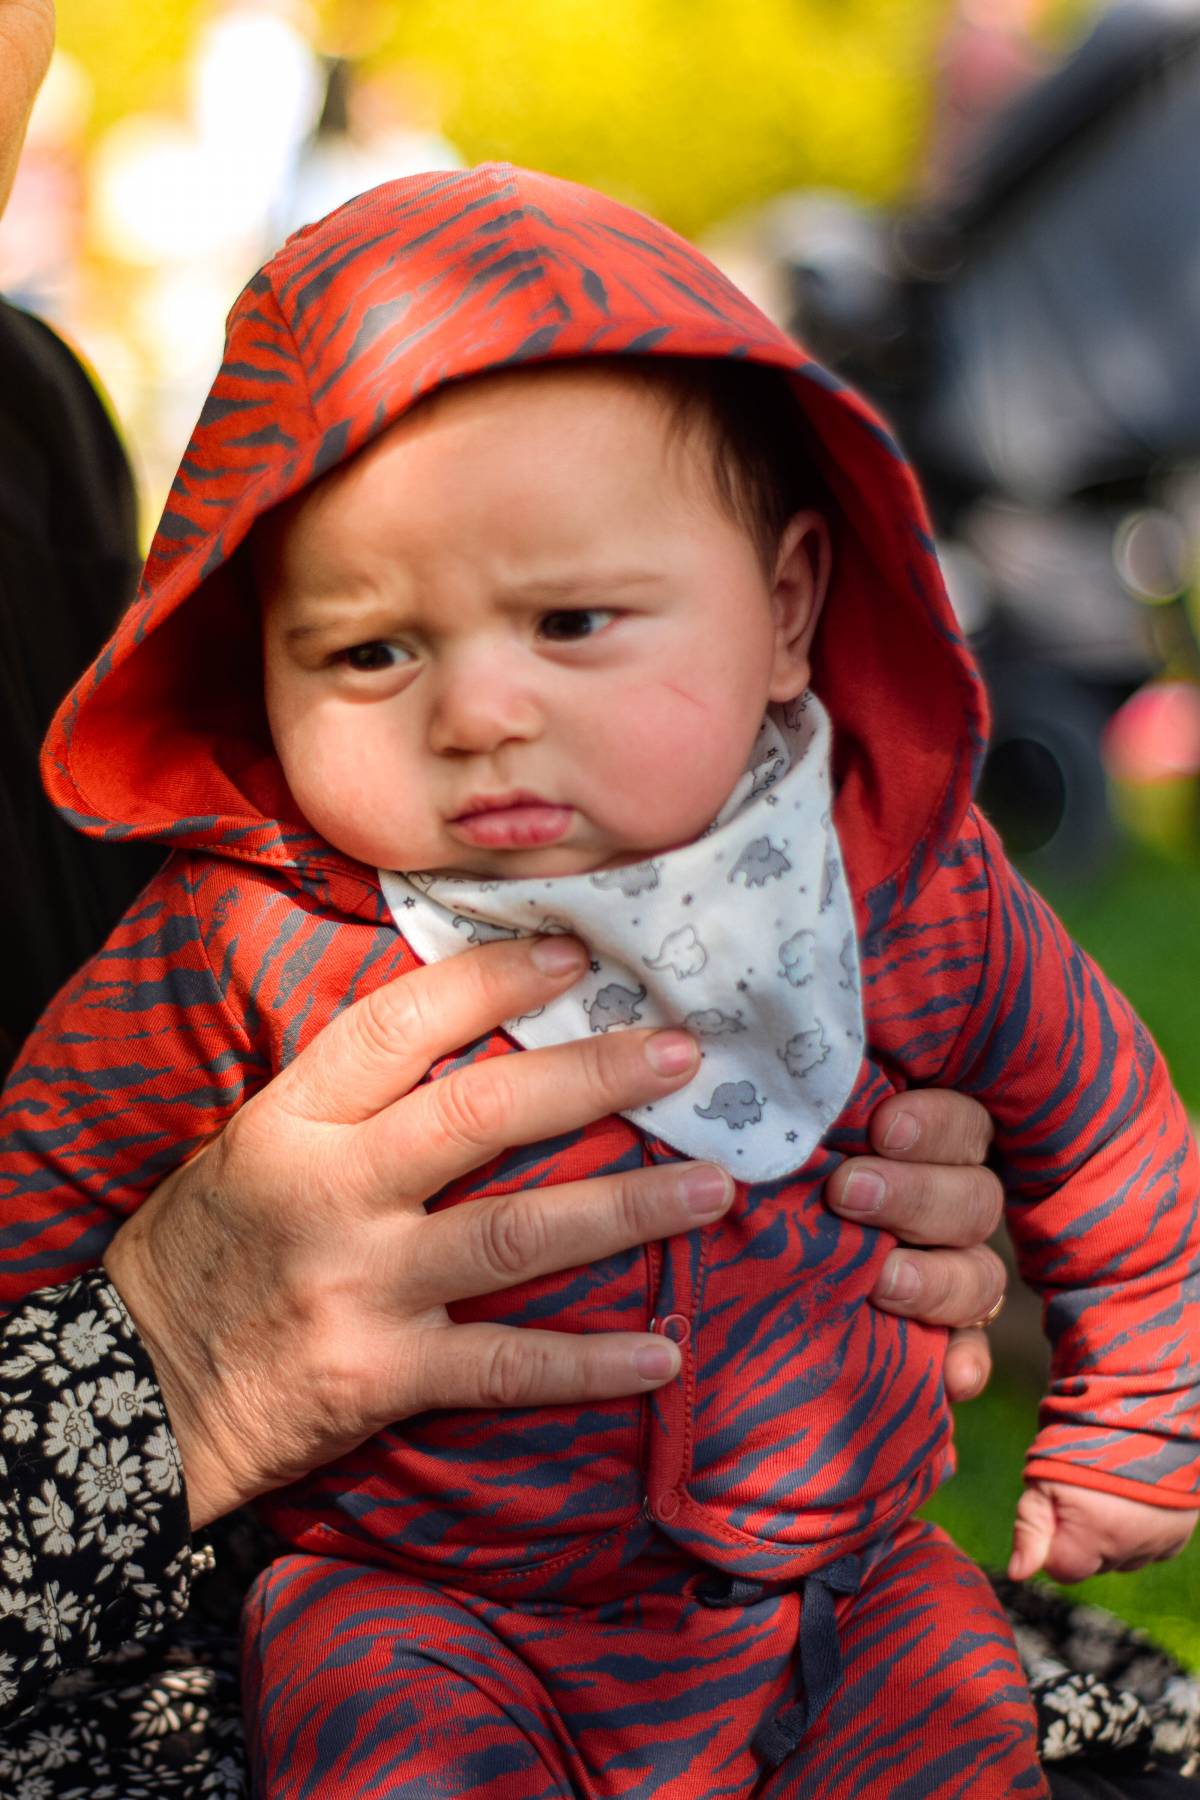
(928,1186)
(26,40)
(290,1288)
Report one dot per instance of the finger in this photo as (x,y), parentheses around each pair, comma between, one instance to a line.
(931,1125)
(1033,1533)
(506,1366)
(379,1048)
(448,1127)
(941,1287)
(487,1245)
(920,1203)
(968,1365)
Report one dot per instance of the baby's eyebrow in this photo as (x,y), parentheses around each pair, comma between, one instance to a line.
(336,621)
(295,633)
(561,587)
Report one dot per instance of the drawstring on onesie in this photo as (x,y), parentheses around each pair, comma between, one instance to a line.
(818,1653)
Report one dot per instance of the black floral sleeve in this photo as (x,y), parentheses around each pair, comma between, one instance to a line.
(95,1548)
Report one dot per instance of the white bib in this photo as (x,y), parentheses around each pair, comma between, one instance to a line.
(745,936)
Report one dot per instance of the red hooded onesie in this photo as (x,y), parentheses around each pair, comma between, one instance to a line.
(786,1462)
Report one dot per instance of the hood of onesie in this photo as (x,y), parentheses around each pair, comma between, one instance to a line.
(424,281)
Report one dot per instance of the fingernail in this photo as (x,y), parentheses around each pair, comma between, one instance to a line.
(864,1193)
(670,1052)
(902,1282)
(558,956)
(902,1133)
(706,1191)
(972,1381)
(656,1362)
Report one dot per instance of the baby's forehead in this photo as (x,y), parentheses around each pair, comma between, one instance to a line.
(547,395)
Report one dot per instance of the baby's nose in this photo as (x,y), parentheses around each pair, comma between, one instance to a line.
(482,702)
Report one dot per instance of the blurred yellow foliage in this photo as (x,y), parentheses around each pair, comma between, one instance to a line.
(691,108)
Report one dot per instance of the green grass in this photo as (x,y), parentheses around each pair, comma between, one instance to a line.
(1142,924)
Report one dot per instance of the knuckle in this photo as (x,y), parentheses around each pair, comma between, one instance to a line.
(603,1060)
(910,1193)
(393,1018)
(471,1106)
(937,1285)
(987,1200)
(956,1129)
(512,1238)
(508,1376)
(630,1196)
(990,1273)
(979,1133)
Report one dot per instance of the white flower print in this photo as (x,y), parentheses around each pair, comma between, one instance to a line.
(162,1710)
(35,1787)
(52,1520)
(1058,1741)
(71,1427)
(109,1478)
(16,1565)
(56,1612)
(84,1341)
(162,1470)
(19,1425)
(225,1778)
(123,1541)
(55,1747)
(36,1319)
(81,1395)
(122,1398)
(15,1603)
(18,1368)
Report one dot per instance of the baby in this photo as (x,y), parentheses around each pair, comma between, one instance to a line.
(588,603)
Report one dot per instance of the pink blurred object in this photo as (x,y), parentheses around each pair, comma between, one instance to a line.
(1155,735)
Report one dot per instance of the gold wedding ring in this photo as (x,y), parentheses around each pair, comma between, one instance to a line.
(989,1318)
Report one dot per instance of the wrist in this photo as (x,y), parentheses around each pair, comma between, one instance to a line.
(167,1308)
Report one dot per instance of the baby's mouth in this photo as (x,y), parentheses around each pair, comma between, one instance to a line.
(511,821)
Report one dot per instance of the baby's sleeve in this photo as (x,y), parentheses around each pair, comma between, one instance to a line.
(139,1061)
(1103,1190)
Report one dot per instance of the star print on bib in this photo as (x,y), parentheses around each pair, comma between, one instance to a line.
(745,936)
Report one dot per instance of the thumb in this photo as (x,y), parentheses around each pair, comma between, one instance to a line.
(1033,1533)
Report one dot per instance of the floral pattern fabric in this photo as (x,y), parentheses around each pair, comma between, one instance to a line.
(95,1549)
(1102,1690)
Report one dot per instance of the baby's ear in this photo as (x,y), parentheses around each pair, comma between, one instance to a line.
(802,571)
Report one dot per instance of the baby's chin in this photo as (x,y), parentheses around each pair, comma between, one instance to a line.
(538,865)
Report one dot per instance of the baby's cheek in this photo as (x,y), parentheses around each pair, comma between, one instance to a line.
(668,763)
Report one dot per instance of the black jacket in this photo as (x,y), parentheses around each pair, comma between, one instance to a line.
(68,563)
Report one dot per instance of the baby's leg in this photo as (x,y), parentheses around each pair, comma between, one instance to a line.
(932,1703)
(360,1683)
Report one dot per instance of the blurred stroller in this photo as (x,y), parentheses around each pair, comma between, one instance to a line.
(1035,341)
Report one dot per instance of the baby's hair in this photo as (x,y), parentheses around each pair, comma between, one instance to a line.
(762,474)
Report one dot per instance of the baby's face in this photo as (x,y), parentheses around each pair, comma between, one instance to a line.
(517,636)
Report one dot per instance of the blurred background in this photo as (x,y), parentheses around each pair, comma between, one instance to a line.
(982,212)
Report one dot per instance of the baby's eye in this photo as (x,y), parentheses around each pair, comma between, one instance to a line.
(565,627)
(365,659)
